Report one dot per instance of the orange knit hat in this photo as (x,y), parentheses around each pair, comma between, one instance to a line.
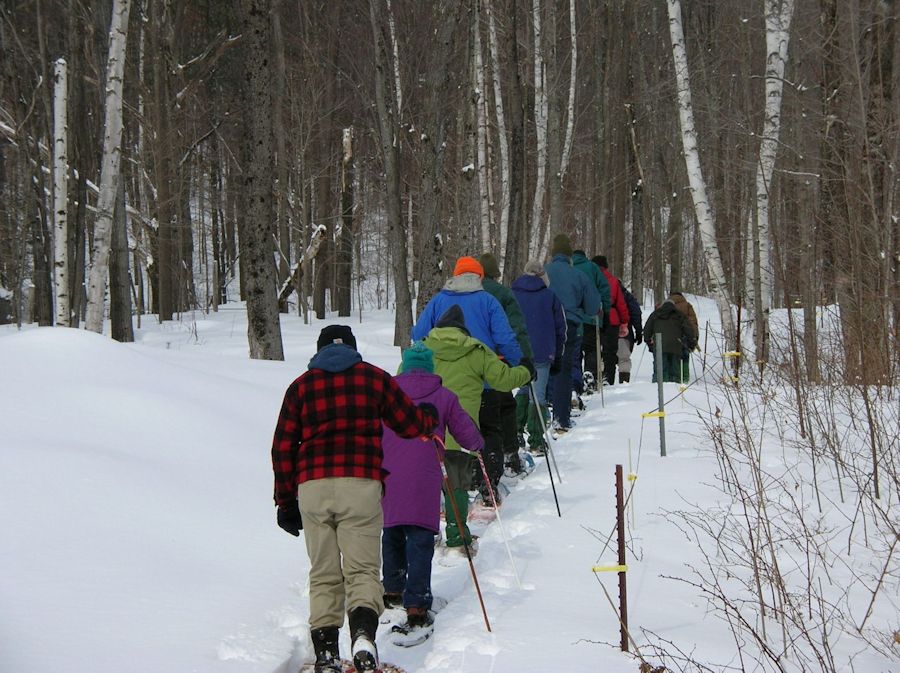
(468,265)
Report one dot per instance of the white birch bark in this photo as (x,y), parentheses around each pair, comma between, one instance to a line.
(570,108)
(705,222)
(398,91)
(778,24)
(540,128)
(60,194)
(109,173)
(481,135)
(570,122)
(503,229)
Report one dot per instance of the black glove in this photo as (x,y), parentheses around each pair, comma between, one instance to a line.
(555,365)
(289,519)
(529,365)
(430,410)
(638,337)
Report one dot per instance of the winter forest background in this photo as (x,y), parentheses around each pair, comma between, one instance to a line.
(321,156)
(160,158)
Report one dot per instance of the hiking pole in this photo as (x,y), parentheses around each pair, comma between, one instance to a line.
(490,486)
(600,365)
(459,524)
(540,414)
(552,456)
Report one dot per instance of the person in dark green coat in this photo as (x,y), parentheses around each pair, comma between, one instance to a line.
(591,323)
(498,408)
(676,334)
(465,365)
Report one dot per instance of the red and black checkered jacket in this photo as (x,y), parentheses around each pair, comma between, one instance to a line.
(330,426)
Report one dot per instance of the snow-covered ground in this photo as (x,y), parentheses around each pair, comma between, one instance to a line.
(137,529)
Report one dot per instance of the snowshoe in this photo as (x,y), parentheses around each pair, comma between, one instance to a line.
(417,628)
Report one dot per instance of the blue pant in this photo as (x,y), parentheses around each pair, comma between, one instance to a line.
(577,373)
(561,384)
(406,564)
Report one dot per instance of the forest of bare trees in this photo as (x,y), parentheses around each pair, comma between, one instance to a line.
(212,150)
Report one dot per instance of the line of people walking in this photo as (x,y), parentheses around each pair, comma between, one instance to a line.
(352,469)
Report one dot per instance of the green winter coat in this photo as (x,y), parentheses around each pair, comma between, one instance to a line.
(592,271)
(465,365)
(513,312)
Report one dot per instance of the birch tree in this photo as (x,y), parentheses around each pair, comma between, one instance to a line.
(480,99)
(716,272)
(493,45)
(61,193)
(778,24)
(541,103)
(109,173)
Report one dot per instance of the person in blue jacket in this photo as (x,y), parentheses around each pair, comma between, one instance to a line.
(580,300)
(545,322)
(485,318)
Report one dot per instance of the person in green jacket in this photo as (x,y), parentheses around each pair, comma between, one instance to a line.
(498,408)
(465,364)
(589,336)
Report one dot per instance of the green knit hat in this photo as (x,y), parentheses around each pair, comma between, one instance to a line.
(418,356)
(490,265)
(561,245)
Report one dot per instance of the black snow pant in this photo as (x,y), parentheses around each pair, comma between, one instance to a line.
(589,348)
(497,421)
(610,345)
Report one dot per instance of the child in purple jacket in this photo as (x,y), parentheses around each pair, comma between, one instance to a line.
(412,491)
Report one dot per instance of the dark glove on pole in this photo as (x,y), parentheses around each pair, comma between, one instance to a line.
(529,365)
(289,519)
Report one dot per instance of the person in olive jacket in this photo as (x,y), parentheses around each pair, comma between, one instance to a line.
(676,334)
(465,365)
(498,408)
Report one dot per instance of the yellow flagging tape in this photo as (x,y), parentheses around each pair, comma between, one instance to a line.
(653,414)
(682,388)
(631,476)
(610,569)
(731,354)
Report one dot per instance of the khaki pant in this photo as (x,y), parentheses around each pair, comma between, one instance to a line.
(342,521)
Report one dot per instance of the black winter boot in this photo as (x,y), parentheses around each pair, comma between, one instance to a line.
(363,625)
(325,643)
(624,377)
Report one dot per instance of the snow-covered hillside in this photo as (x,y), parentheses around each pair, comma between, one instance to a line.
(137,529)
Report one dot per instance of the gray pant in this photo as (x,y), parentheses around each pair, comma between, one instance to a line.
(624,355)
(342,521)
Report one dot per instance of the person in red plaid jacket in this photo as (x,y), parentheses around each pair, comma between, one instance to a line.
(327,458)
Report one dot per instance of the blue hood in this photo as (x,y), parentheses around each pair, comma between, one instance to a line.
(528,283)
(335,358)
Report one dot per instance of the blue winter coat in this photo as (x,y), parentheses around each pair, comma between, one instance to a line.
(545,319)
(485,318)
(576,292)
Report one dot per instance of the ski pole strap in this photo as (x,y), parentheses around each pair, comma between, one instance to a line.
(654,414)
(610,569)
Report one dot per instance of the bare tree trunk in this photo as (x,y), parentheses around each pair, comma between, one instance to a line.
(778,15)
(390,150)
(541,113)
(263,326)
(717,282)
(109,174)
(344,255)
(61,194)
(120,324)
(433,188)
(516,246)
(479,99)
(493,43)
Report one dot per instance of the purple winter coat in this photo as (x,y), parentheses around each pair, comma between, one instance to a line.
(412,490)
